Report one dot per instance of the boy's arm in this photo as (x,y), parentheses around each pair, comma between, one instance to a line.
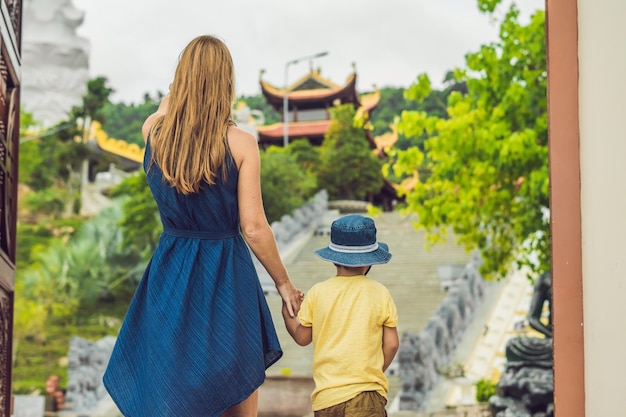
(301,334)
(390,345)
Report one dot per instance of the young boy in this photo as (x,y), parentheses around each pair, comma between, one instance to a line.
(352,322)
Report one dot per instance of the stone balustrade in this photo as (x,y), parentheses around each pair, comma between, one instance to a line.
(422,356)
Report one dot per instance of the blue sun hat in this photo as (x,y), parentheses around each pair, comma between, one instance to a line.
(353,243)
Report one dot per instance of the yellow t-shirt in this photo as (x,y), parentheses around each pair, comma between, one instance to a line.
(347,315)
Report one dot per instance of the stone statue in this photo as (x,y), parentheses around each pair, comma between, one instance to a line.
(248,119)
(87,362)
(526,387)
(55,60)
(423,357)
(542,294)
(533,348)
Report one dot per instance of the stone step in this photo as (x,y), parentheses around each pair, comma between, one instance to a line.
(411,277)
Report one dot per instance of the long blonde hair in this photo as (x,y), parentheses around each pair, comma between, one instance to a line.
(189,141)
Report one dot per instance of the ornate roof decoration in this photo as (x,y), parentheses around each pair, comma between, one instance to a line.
(407,184)
(311,90)
(386,140)
(370,101)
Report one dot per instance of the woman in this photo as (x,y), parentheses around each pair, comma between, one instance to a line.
(198,335)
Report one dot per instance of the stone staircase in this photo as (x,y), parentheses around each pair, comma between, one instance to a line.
(411,277)
(464,411)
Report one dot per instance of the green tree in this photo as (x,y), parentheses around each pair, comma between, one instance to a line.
(488,159)
(95,99)
(348,168)
(307,156)
(140,223)
(124,121)
(75,155)
(393,102)
(32,169)
(284,184)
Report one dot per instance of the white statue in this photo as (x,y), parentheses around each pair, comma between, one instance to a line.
(248,119)
(55,60)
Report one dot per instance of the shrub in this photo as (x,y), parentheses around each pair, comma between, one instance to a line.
(484,390)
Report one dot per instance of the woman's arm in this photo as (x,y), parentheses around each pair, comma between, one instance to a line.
(390,345)
(147,125)
(256,230)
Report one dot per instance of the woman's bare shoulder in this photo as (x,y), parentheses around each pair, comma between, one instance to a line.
(240,140)
(239,135)
(147,125)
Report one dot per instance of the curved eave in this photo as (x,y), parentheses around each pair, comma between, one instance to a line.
(296,129)
(298,98)
(370,101)
(406,185)
(386,140)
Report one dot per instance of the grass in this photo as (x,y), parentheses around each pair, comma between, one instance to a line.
(35,360)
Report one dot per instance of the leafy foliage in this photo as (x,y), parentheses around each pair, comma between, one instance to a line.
(49,202)
(124,121)
(36,236)
(488,160)
(37,166)
(51,160)
(484,390)
(33,171)
(285,185)
(94,100)
(67,274)
(393,102)
(140,222)
(348,168)
(307,156)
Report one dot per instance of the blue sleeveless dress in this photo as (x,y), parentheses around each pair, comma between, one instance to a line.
(198,335)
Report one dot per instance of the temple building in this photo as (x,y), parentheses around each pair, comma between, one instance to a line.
(309,100)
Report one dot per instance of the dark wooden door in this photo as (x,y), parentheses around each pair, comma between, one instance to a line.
(10,58)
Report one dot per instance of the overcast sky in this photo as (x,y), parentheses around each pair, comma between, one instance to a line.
(136,43)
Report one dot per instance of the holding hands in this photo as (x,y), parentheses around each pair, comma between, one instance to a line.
(292,297)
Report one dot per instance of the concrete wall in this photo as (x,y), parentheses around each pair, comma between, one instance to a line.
(602,122)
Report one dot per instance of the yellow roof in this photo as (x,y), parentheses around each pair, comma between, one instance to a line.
(117,147)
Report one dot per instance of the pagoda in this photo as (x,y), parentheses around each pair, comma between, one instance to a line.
(309,102)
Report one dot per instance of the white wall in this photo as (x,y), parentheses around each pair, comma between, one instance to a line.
(602,66)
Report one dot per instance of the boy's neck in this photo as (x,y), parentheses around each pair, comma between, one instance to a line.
(351,271)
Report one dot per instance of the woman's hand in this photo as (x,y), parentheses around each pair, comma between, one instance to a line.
(292,297)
